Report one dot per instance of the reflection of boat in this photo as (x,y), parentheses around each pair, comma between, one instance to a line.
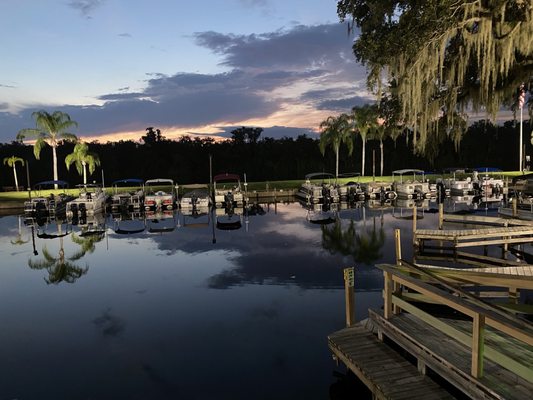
(227,191)
(132,199)
(319,187)
(229,219)
(194,219)
(403,208)
(197,200)
(52,229)
(320,214)
(47,205)
(410,188)
(91,201)
(93,224)
(129,223)
(463,204)
(161,221)
(160,194)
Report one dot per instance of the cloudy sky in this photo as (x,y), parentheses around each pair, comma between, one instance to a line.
(119,66)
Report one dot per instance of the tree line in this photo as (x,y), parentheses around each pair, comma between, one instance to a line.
(187,159)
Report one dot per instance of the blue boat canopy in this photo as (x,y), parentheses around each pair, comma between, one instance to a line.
(129,180)
(40,185)
(487,169)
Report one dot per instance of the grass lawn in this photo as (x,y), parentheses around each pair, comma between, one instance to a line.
(20,197)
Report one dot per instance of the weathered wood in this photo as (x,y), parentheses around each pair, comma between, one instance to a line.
(381,369)
(450,359)
(476,237)
(349,277)
(478,343)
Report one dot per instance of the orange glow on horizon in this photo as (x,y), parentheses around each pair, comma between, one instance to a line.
(301,116)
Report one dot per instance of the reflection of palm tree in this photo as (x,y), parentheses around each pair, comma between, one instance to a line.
(87,244)
(18,240)
(364,248)
(59,269)
(369,246)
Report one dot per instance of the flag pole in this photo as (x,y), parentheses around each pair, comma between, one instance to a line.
(521,147)
(521,101)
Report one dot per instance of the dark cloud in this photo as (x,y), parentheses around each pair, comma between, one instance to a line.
(85,7)
(342,105)
(4,106)
(8,86)
(275,132)
(125,34)
(258,66)
(301,47)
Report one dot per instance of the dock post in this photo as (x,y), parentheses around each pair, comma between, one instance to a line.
(387,294)
(441,215)
(396,286)
(414,224)
(514,295)
(398,246)
(349,280)
(478,339)
(515,207)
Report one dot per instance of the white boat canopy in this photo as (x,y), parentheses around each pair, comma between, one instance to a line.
(408,171)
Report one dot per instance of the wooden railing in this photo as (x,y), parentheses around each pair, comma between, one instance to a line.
(481,313)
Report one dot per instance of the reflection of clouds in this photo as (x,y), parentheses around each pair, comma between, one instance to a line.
(109,324)
(270,311)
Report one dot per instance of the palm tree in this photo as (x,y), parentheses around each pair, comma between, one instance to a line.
(364,121)
(335,131)
(81,157)
(51,129)
(11,162)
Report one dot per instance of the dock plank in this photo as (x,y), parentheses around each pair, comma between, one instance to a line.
(451,359)
(385,372)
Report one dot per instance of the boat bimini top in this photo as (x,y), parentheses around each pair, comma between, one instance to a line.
(402,172)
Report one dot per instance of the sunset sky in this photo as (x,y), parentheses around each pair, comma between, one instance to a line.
(185,67)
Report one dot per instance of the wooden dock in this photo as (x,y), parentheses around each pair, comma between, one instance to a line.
(487,353)
(475,237)
(386,373)
(485,220)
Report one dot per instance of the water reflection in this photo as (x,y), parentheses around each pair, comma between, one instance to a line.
(19,238)
(60,268)
(157,306)
(363,245)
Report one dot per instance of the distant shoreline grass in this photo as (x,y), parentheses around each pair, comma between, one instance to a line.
(16,199)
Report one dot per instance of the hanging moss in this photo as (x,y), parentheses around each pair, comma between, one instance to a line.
(445,56)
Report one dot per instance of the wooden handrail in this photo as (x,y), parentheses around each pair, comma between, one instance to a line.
(482,314)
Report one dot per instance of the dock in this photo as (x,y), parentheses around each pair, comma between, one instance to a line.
(475,237)
(387,374)
(435,322)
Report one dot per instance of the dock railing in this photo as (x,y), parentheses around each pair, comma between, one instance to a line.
(481,313)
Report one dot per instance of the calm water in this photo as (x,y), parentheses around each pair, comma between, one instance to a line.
(166,314)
